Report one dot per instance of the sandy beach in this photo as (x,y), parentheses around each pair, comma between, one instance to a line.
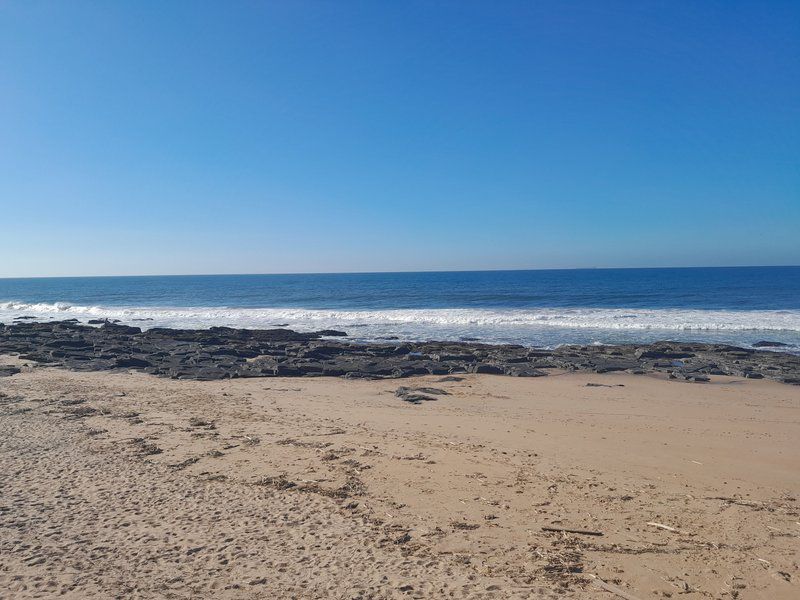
(129,485)
(400,300)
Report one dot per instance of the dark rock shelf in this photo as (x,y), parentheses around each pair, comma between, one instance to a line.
(221,353)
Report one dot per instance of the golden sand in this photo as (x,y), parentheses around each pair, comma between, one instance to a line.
(126,485)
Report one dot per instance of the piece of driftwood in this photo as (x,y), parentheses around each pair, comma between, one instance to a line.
(614,589)
(662,526)
(578,531)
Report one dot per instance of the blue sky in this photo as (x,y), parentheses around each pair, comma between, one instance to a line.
(199,137)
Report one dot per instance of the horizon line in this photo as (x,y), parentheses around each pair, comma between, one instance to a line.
(432,271)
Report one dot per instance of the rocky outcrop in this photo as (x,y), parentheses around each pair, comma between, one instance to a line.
(223,352)
(8,370)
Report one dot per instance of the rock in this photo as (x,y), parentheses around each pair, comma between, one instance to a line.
(769,344)
(223,352)
(514,359)
(739,352)
(642,353)
(698,378)
(488,369)
(69,343)
(8,370)
(403,391)
(131,361)
(288,371)
(326,351)
(605,367)
(331,333)
(452,357)
(524,371)
(409,371)
(409,395)
(124,329)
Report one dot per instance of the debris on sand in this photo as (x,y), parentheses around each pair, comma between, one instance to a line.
(417,395)
(145,448)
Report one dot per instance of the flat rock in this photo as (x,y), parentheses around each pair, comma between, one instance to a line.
(8,370)
(403,391)
(224,352)
(769,344)
(415,395)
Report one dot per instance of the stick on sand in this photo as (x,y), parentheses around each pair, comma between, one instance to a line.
(662,526)
(578,531)
(610,587)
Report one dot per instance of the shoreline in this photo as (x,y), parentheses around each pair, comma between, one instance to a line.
(226,353)
(545,327)
(121,483)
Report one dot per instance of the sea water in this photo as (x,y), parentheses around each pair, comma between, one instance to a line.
(739,305)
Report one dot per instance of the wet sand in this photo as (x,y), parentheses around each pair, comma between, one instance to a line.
(128,485)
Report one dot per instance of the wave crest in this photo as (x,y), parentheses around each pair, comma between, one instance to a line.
(438,319)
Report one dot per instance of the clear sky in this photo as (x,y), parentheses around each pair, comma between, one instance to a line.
(233,137)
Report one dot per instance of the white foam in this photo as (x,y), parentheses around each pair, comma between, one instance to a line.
(627,319)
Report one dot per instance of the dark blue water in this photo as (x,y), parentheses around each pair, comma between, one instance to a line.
(740,288)
(534,307)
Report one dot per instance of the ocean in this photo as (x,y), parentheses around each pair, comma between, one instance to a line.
(739,305)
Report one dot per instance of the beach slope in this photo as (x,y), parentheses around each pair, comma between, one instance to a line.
(579,485)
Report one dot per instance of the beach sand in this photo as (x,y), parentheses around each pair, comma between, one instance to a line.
(128,485)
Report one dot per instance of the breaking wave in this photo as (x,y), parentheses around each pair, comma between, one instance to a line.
(433,318)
